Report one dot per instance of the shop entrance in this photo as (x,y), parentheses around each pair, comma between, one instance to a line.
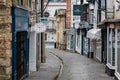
(21,54)
(20,43)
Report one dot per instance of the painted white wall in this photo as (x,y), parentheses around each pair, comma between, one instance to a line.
(68,42)
(117,9)
(98,53)
(95,14)
(110,4)
(51,37)
(52,7)
(102,16)
(32,52)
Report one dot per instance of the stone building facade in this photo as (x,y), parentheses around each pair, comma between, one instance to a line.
(5,39)
(60,28)
(6,28)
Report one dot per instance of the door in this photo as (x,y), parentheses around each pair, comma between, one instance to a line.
(21,54)
(104,47)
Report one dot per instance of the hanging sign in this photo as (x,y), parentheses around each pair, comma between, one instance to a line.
(77,10)
(39,27)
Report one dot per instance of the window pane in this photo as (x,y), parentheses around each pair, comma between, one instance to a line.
(29,3)
(57,0)
(102,4)
(118,51)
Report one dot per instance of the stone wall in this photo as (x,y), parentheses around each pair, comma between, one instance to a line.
(5,40)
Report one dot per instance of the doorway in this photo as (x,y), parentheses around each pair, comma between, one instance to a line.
(21,54)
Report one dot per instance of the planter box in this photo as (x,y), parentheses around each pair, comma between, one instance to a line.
(5,10)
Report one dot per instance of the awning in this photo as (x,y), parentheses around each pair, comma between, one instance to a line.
(94,33)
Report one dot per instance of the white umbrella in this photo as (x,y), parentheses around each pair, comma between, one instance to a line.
(94,33)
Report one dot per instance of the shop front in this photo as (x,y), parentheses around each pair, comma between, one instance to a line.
(20,43)
(117,48)
(86,46)
(110,59)
(110,66)
(112,48)
(83,41)
(103,28)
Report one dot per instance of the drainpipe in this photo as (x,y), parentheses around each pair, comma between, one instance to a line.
(105,9)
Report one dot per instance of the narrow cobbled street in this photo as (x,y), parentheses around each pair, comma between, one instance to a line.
(63,65)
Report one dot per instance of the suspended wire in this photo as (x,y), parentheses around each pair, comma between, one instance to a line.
(46,5)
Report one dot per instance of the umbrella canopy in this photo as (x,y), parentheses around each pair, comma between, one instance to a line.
(94,33)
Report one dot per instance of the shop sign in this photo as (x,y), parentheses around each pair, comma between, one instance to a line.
(39,27)
(46,14)
(77,10)
(43,19)
(21,19)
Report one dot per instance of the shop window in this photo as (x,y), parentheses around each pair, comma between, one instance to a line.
(29,3)
(118,50)
(20,2)
(81,1)
(111,56)
(56,0)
